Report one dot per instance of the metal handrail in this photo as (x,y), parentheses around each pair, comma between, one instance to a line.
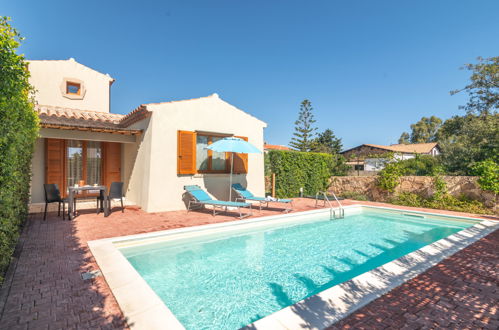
(332,212)
(337,201)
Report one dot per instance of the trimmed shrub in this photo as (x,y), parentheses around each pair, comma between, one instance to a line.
(18,132)
(308,170)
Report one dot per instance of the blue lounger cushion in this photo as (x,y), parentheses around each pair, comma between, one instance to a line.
(198,193)
(202,197)
(246,194)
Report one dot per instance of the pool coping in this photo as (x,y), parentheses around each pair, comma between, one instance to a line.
(143,309)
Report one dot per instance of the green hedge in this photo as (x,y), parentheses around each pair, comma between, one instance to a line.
(18,132)
(294,169)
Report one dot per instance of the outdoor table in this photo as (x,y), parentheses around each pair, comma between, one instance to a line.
(102,191)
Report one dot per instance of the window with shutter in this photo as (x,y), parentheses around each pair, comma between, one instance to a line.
(186,152)
(241,160)
(70,162)
(54,163)
(208,161)
(111,163)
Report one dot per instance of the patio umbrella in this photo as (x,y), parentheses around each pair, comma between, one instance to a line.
(232,145)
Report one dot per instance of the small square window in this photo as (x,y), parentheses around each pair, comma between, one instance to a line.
(73,88)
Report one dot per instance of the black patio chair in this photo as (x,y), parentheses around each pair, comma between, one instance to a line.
(115,192)
(53,195)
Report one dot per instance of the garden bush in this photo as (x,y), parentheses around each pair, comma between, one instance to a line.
(389,177)
(308,170)
(18,132)
(354,195)
(444,202)
(488,172)
(420,165)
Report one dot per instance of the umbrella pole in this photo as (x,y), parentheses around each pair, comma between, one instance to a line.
(230,180)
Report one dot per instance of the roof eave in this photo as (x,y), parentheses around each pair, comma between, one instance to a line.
(91,129)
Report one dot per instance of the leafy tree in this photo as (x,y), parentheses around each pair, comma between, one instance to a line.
(473,138)
(466,140)
(425,130)
(404,138)
(327,142)
(304,129)
(483,88)
(18,132)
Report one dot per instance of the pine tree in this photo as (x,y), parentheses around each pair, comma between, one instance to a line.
(327,142)
(304,129)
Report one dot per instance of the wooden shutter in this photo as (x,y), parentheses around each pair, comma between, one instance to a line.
(111,163)
(55,163)
(186,152)
(241,160)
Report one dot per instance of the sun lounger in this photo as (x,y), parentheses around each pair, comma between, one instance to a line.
(198,198)
(245,195)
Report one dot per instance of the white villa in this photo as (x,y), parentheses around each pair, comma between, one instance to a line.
(155,149)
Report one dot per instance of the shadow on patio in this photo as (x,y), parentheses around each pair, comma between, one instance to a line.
(47,290)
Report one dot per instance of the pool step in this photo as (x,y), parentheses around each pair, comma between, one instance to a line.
(414,215)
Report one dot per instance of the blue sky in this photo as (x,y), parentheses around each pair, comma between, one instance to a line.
(370,68)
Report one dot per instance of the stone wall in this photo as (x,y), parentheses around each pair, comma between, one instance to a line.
(422,185)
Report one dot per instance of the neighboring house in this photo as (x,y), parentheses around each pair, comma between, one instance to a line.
(369,157)
(155,150)
(268,147)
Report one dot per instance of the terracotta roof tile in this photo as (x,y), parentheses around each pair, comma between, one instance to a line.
(69,113)
(418,148)
(67,118)
(136,115)
(275,147)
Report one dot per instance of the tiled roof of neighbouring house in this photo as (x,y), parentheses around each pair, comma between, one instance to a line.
(417,148)
(275,147)
(68,118)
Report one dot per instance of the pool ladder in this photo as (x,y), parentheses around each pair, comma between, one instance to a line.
(332,211)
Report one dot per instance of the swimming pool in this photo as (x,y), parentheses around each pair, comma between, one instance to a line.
(229,276)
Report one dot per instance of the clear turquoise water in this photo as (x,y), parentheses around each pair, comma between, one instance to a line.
(229,282)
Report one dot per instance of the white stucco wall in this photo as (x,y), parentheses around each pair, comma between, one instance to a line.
(38,172)
(48,76)
(137,163)
(152,166)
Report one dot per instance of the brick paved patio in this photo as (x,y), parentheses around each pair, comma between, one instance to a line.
(47,292)
(459,293)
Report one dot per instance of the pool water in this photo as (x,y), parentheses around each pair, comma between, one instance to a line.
(229,282)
